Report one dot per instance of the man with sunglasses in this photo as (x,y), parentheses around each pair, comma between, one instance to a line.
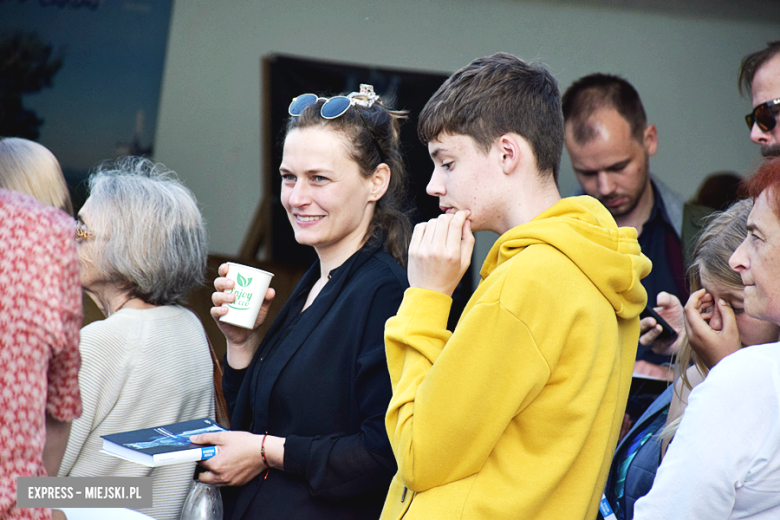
(759,74)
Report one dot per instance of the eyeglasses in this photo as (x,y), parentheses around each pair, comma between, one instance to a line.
(763,116)
(336,106)
(82,233)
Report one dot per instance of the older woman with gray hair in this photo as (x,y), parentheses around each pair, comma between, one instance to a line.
(142,249)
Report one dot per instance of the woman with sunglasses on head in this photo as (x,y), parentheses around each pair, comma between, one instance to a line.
(308,400)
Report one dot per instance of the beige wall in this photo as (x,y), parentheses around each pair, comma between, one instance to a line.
(684,67)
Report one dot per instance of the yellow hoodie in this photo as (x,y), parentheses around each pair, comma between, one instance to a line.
(516,414)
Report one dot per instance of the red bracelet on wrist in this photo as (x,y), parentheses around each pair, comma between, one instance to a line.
(262,450)
(265,461)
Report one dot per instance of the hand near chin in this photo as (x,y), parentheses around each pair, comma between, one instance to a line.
(710,344)
(440,252)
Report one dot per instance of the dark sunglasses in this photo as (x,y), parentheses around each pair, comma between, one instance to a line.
(763,116)
(336,106)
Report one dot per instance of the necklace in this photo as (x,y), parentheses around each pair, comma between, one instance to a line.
(123,304)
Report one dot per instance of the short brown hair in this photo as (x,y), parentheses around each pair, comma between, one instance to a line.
(494,95)
(766,178)
(752,62)
(597,91)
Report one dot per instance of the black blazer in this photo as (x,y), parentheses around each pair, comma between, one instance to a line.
(325,387)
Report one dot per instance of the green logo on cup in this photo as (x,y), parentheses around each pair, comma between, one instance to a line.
(242,282)
(242,298)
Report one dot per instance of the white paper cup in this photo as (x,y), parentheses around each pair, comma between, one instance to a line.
(250,288)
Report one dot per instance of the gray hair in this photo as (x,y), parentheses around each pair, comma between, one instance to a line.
(155,239)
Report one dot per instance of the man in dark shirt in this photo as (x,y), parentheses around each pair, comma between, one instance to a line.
(610,144)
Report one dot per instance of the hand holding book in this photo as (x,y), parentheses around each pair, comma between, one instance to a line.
(239,458)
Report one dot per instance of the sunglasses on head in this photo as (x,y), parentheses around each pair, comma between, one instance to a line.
(336,106)
(763,116)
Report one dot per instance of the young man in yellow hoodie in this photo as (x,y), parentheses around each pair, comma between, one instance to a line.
(516,413)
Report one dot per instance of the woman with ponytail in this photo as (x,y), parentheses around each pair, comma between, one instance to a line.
(308,400)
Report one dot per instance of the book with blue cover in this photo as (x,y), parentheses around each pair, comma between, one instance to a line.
(162,445)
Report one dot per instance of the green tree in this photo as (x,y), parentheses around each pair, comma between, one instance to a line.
(27,65)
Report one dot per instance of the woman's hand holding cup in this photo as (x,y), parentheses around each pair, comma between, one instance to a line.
(242,342)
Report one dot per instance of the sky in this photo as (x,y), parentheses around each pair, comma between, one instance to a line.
(114,58)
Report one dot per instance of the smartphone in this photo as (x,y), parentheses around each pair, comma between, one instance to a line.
(668,333)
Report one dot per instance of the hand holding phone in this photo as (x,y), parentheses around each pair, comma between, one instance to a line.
(667,332)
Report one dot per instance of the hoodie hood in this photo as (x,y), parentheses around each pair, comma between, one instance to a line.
(583,230)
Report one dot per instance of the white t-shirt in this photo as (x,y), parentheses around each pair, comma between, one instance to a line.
(724,461)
